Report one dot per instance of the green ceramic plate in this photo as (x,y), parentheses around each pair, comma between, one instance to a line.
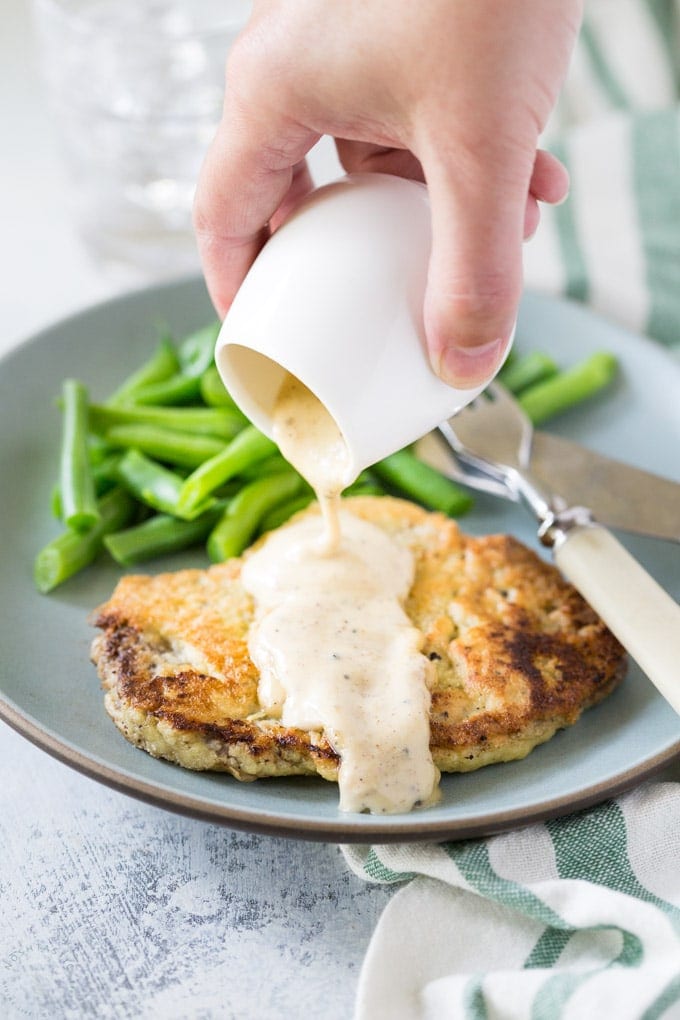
(49,690)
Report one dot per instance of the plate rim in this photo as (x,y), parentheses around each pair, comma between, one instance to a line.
(268,824)
(415,827)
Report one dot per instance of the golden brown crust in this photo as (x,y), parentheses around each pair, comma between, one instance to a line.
(517,652)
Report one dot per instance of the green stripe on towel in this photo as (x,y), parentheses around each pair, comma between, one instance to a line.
(656,174)
(602,71)
(663,13)
(575,269)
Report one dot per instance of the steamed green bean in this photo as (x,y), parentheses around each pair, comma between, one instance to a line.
(572,386)
(72,551)
(76,482)
(241,520)
(413,478)
(158,536)
(161,365)
(247,448)
(181,448)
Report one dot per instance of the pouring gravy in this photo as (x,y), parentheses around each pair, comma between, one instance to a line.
(334,647)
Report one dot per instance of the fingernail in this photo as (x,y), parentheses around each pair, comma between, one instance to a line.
(465,367)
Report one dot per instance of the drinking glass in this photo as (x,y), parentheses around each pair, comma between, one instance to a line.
(136,87)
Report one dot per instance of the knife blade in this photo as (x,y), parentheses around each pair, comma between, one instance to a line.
(619,495)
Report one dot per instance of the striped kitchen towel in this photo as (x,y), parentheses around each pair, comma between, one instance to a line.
(615,243)
(576,918)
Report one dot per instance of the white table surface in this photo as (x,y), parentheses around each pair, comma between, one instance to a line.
(112,908)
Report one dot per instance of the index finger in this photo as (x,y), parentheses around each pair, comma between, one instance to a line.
(251,167)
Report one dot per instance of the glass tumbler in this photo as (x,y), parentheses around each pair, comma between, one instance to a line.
(136,87)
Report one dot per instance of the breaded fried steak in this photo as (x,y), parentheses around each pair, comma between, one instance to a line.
(517,653)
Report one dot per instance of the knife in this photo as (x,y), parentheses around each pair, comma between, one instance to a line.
(618,494)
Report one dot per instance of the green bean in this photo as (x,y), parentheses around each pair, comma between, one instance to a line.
(171,376)
(79,504)
(161,365)
(213,390)
(104,474)
(284,511)
(177,389)
(97,449)
(159,535)
(510,358)
(268,466)
(197,351)
(526,371)
(203,421)
(363,489)
(169,445)
(72,551)
(404,472)
(241,520)
(248,447)
(562,391)
(156,486)
(365,484)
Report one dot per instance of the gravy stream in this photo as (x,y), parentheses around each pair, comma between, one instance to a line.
(310,439)
(333,645)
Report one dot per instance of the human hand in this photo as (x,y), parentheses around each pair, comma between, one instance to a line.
(447,91)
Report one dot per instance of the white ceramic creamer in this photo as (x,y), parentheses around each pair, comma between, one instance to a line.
(335,298)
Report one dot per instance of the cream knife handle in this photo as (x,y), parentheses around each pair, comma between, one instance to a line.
(644,618)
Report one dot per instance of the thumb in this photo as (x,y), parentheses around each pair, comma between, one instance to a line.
(475,274)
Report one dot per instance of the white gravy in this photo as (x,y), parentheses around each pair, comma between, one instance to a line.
(309,438)
(335,649)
